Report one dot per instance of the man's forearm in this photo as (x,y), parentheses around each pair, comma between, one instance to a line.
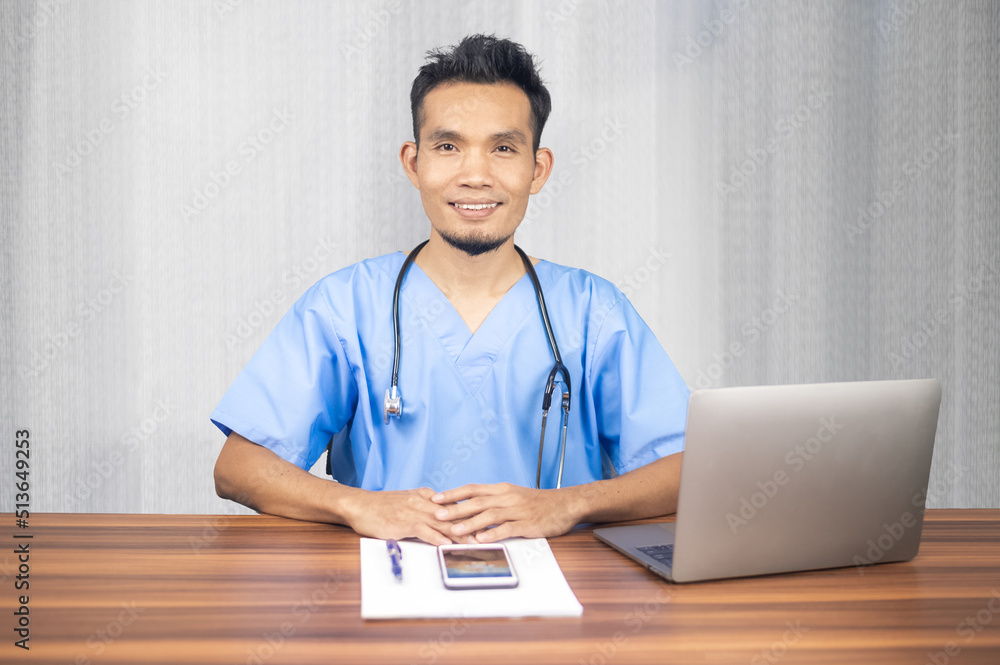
(649,491)
(257,478)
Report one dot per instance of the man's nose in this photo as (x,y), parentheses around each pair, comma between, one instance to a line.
(476,169)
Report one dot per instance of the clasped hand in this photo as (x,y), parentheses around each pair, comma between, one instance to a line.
(466,514)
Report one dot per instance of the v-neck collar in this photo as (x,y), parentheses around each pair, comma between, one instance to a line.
(472,354)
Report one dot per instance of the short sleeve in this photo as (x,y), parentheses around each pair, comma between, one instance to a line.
(297,390)
(640,398)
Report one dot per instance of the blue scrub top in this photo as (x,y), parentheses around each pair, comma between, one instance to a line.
(471,402)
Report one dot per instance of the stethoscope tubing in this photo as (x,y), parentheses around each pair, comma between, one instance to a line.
(394,401)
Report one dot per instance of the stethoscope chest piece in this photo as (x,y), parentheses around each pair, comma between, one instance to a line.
(393,405)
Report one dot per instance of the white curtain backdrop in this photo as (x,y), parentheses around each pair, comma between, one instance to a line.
(788,191)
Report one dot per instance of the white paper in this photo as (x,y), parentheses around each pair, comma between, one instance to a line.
(542,591)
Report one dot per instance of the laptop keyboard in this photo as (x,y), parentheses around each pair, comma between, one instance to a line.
(662,553)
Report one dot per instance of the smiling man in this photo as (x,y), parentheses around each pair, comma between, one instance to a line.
(462,460)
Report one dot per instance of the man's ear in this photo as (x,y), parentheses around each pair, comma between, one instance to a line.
(543,169)
(408,158)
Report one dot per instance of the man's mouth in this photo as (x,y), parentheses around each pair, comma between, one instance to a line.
(475,206)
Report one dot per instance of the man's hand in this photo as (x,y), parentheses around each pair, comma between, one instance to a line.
(259,479)
(515,510)
(398,515)
(649,491)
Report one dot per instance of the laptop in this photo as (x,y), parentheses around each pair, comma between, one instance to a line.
(778,479)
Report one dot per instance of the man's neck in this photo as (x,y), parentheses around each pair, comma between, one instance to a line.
(473,284)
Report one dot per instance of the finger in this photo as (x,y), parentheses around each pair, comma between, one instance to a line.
(422,502)
(430,530)
(424,492)
(416,519)
(499,532)
(443,527)
(482,521)
(463,493)
(464,510)
(432,536)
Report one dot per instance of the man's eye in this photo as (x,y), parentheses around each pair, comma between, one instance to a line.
(446,146)
(505,148)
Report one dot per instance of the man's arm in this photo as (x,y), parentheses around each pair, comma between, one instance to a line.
(257,478)
(649,491)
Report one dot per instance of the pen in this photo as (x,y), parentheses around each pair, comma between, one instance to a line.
(396,555)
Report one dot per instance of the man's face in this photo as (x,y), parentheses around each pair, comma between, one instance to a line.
(475,167)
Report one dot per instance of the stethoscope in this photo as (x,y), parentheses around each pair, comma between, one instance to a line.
(394,400)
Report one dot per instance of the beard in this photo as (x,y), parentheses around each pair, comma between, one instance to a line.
(475,244)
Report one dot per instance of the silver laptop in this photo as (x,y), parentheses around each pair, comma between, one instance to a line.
(784,478)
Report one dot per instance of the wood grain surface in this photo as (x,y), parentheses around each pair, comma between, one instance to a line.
(261,589)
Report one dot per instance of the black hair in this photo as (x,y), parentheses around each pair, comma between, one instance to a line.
(483,59)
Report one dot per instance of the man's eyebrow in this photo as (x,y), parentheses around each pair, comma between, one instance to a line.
(511,135)
(441,134)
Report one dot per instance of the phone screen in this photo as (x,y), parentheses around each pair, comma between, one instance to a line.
(477,563)
(476,567)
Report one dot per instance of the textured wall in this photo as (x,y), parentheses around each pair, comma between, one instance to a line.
(814,181)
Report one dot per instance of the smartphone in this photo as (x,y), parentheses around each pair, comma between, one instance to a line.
(485,566)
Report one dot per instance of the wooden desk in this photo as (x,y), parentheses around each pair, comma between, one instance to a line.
(259,589)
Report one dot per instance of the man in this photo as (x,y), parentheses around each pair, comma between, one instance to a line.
(459,463)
